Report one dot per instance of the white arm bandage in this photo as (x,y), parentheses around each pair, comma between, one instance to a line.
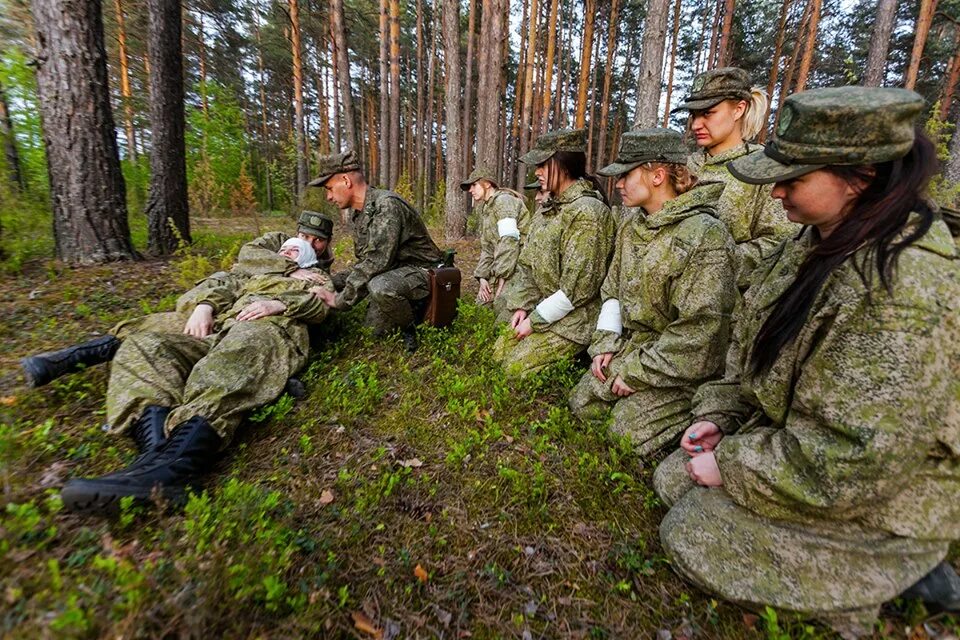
(555,307)
(610,319)
(508,227)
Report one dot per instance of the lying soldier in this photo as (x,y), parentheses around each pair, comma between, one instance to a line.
(181,395)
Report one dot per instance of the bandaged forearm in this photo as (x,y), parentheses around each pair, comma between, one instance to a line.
(555,307)
(507,227)
(610,319)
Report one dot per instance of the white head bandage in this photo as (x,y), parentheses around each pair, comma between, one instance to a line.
(555,307)
(610,319)
(508,227)
(307,257)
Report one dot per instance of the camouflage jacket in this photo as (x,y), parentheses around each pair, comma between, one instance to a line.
(756,221)
(569,246)
(387,233)
(858,419)
(673,273)
(498,254)
(260,257)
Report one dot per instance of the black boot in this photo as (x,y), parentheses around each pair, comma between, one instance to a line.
(409,337)
(939,590)
(148,432)
(42,368)
(171,469)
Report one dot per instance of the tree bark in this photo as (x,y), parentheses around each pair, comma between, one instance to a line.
(527,111)
(431,90)
(299,134)
(953,76)
(651,59)
(673,60)
(811,46)
(125,93)
(10,144)
(510,143)
(167,203)
(394,93)
(607,80)
(726,33)
(418,182)
(792,65)
(886,16)
(343,73)
(468,89)
(924,20)
(384,93)
(586,48)
(714,36)
(548,65)
(455,226)
(489,96)
(263,112)
(775,65)
(86,185)
(593,103)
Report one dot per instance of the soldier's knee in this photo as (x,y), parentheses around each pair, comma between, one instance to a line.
(670,479)
(380,288)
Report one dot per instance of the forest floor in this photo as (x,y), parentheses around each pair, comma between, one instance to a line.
(406,496)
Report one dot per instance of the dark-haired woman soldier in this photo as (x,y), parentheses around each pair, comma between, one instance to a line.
(821,474)
(554,294)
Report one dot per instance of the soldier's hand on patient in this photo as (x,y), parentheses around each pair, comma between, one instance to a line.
(620,388)
(703,470)
(326,296)
(261,309)
(600,362)
(523,329)
(485,294)
(701,437)
(200,322)
(307,275)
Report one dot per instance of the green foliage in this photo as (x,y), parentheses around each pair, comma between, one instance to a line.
(941,133)
(433,213)
(18,78)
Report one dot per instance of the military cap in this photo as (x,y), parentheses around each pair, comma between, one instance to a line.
(533,185)
(646,145)
(839,125)
(716,85)
(330,165)
(554,141)
(479,173)
(315,224)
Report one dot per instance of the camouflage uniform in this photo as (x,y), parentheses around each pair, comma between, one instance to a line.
(756,221)
(241,366)
(841,463)
(504,223)
(393,250)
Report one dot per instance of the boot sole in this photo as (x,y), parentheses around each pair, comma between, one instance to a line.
(106,500)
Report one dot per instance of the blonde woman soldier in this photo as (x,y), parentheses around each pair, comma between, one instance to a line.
(554,295)
(726,112)
(504,222)
(667,297)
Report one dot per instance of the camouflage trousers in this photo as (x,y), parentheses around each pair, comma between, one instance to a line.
(391,294)
(499,307)
(521,358)
(652,418)
(164,322)
(837,572)
(220,377)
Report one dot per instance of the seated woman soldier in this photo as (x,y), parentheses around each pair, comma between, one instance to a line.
(667,298)
(821,474)
(553,297)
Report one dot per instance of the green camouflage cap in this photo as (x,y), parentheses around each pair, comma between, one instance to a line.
(480,173)
(646,145)
(330,165)
(533,185)
(839,125)
(554,141)
(716,85)
(315,224)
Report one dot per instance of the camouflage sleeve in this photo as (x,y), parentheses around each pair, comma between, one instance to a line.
(768,229)
(858,423)
(485,262)
(608,341)
(583,263)
(521,291)
(691,348)
(259,256)
(303,305)
(219,290)
(382,244)
(507,249)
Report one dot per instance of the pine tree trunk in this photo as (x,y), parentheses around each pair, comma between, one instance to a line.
(394,93)
(125,93)
(202,48)
(510,143)
(794,56)
(10,144)
(468,89)
(415,176)
(702,38)
(264,140)
(775,65)
(591,123)
(489,96)
(810,47)
(607,80)
(167,200)
(425,164)
(323,104)
(924,20)
(384,93)
(953,75)
(886,16)
(337,118)
(548,65)
(673,60)
(726,33)
(455,226)
(343,73)
(299,133)
(714,35)
(526,112)
(586,49)
(86,185)
(651,59)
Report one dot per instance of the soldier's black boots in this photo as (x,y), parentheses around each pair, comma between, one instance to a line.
(42,368)
(170,469)
(410,341)
(939,590)
(147,431)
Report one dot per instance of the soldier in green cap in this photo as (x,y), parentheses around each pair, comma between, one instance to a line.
(554,294)
(257,257)
(667,298)
(392,246)
(181,395)
(504,222)
(726,112)
(820,475)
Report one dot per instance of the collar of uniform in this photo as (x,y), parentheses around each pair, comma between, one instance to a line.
(698,200)
(577,190)
(370,200)
(729,154)
(937,239)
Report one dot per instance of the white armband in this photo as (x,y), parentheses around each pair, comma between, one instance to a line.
(555,307)
(508,227)
(610,319)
